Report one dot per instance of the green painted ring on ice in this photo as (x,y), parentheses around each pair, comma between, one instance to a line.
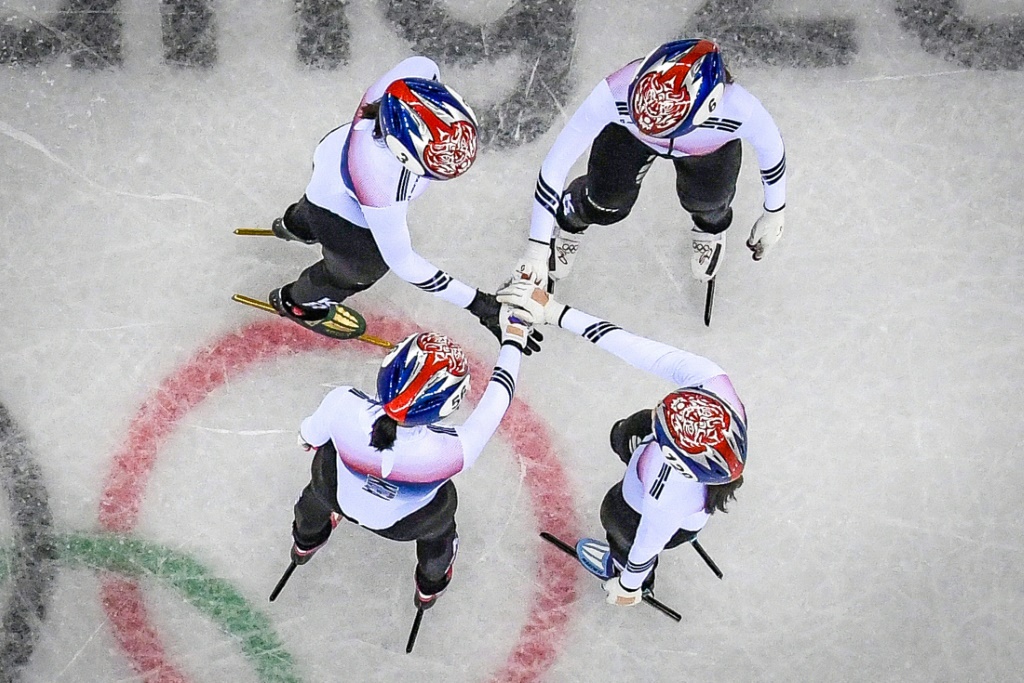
(216,598)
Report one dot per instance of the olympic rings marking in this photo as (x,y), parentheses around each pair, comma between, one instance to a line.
(213,597)
(545,627)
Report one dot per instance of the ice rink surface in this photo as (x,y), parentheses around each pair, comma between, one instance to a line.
(148,422)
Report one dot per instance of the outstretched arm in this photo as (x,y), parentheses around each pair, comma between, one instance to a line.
(391,233)
(596,112)
(682,368)
(479,428)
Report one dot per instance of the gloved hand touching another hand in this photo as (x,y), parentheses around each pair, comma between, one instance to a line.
(514,329)
(538,307)
(488,311)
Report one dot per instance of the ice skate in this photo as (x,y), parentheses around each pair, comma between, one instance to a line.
(596,558)
(281,231)
(708,251)
(302,555)
(567,245)
(428,592)
(283,303)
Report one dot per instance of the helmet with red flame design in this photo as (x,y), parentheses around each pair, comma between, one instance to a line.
(423,379)
(428,127)
(676,88)
(701,436)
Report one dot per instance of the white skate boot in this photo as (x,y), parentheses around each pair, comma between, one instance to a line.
(708,251)
(567,245)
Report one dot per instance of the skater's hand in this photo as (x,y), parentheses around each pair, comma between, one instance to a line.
(305,446)
(485,307)
(487,310)
(537,306)
(514,330)
(533,264)
(620,595)
(766,232)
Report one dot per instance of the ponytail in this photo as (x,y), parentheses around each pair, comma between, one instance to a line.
(385,430)
(369,110)
(720,494)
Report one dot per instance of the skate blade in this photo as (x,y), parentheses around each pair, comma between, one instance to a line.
(255,303)
(345,323)
(255,232)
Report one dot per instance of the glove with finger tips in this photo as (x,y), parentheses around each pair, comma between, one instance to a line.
(514,330)
(766,232)
(620,595)
(487,309)
(538,307)
(533,264)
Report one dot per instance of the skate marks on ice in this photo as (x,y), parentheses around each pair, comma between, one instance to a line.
(91,34)
(541,34)
(30,566)
(751,35)
(28,572)
(540,637)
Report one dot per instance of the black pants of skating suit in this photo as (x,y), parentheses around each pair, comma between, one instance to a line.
(432,527)
(619,520)
(705,185)
(351,261)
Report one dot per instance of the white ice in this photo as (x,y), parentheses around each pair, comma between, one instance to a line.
(878,351)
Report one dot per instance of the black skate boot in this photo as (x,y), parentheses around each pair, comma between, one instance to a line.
(301,555)
(282,302)
(304,552)
(428,592)
(281,230)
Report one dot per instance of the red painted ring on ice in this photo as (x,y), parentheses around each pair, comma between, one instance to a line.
(544,631)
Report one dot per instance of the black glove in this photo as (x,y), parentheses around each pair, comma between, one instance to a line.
(486,308)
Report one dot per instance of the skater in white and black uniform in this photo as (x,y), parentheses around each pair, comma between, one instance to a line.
(684,457)
(408,130)
(679,103)
(382,462)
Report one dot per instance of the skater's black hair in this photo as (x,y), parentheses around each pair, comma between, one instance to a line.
(720,494)
(385,430)
(370,111)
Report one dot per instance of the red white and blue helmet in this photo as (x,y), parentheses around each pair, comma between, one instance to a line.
(676,88)
(428,127)
(423,379)
(701,436)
